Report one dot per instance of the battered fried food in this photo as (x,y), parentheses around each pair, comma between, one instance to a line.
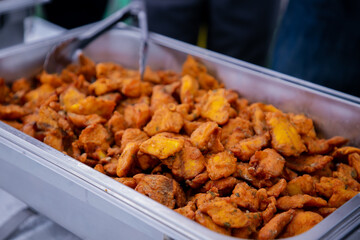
(274,227)
(301,222)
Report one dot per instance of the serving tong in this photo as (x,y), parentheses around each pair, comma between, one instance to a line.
(67,51)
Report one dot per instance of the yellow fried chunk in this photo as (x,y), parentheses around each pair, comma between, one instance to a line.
(247,147)
(160,97)
(93,105)
(215,107)
(276,225)
(247,197)
(303,125)
(116,122)
(70,97)
(221,165)
(270,210)
(198,181)
(105,85)
(94,137)
(132,135)
(207,137)
(277,188)
(354,161)
(192,67)
(109,70)
(128,181)
(42,92)
(242,171)
(299,201)
(11,112)
(224,213)
(304,184)
(236,124)
(54,138)
(161,189)
(207,81)
(308,163)
(224,185)
(164,120)
(301,222)
(188,89)
(82,121)
(323,146)
(341,196)
(131,87)
(162,146)
(187,163)
(285,138)
(267,163)
(245,232)
(47,118)
(348,175)
(345,151)
(127,159)
(206,221)
(327,185)
(137,115)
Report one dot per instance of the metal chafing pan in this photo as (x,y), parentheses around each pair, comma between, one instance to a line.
(92,205)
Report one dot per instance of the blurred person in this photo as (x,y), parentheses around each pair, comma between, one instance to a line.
(239,28)
(319,41)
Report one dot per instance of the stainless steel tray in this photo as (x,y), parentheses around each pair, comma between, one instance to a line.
(92,205)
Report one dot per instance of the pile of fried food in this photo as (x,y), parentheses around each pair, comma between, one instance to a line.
(240,169)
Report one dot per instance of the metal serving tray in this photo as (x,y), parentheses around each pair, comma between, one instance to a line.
(94,206)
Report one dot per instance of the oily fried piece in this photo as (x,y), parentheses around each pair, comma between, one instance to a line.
(137,115)
(116,122)
(236,124)
(247,147)
(187,163)
(87,67)
(308,163)
(164,120)
(242,171)
(255,221)
(54,138)
(267,163)
(151,76)
(348,175)
(127,159)
(247,197)
(198,181)
(257,117)
(161,97)
(299,201)
(288,174)
(70,97)
(301,222)
(93,105)
(201,198)
(224,186)
(188,89)
(236,136)
(12,112)
(207,137)
(215,107)
(341,196)
(276,225)
(327,185)
(94,137)
(131,87)
(354,161)
(277,188)
(285,138)
(190,126)
(145,161)
(82,121)
(221,165)
(270,210)
(105,85)
(345,151)
(325,211)
(162,146)
(100,168)
(40,94)
(208,82)
(161,189)
(109,70)
(132,135)
(207,222)
(47,118)
(224,213)
(323,146)
(187,211)
(304,184)
(128,181)
(304,125)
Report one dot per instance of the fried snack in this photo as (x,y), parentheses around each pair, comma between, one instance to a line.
(285,138)
(301,222)
(162,146)
(239,168)
(274,227)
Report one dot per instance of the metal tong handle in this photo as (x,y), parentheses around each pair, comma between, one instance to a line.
(134,8)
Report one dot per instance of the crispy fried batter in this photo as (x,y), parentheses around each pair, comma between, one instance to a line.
(137,115)
(206,221)
(224,186)
(348,175)
(277,188)
(221,165)
(354,161)
(215,107)
(162,146)
(299,201)
(308,163)
(267,163)
(301,222)
(164,120)
(275,226)
(207,137)
(301,185)
(127,159)
(247,147)
(246,197)
(187,211)
(188,89)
